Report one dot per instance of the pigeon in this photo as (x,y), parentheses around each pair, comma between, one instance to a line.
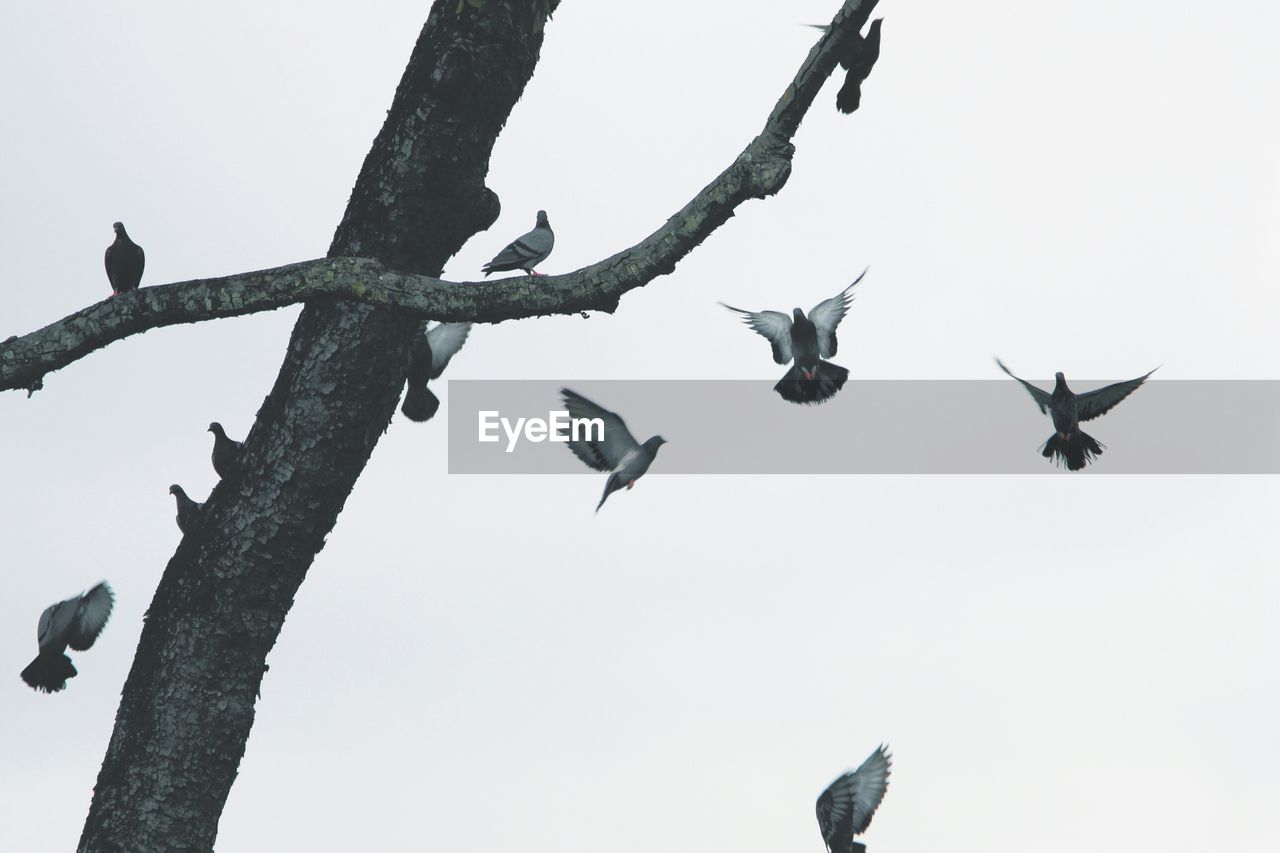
(76,622)
(1071,445)
(857,60)
(846,807)
(527,251)
(226,451)
(806,341)
(188,510)
(611,449)
(427,360)
(125,260)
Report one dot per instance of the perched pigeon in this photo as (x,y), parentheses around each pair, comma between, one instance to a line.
(806,341)
(858,60)
(527,251)
(125,260)
(614,449)
(76,622)
(427,360)
(226,451)
(188,510)
(1071,445)
(846,807)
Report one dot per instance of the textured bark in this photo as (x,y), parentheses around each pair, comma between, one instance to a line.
(759,171)
(188,703)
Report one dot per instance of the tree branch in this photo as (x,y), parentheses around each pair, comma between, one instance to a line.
(761,170)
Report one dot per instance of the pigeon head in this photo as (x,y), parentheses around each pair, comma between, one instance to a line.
(118,227)
(542,219)
(655,442)
(216,429)
(176,490)
(797,314)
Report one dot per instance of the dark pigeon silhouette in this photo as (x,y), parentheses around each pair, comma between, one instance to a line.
(76,622)
(614,450)
(1069,444)
(428,358)
(226,451)
(188,510)
(125,260)
(806,341)
(846,807)
(527,251)
(858,60)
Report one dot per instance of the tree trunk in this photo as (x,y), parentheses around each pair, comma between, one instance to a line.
(188,704)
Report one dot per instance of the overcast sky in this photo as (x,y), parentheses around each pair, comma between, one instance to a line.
(478,664)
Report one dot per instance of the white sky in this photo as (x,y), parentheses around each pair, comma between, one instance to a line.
(478,664)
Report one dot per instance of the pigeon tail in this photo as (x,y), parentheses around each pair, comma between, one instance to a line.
(850,95)
(1075,451)
(609,488)
(420,402)
(827,379)
(48,673)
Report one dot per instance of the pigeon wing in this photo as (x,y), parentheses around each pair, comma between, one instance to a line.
(1042,398)
(54,622)
(604,453)
(1096,403)
(445,340)
(526,250)
(107,260)
(828,313)
(846,807)
(91,615)
(773,325)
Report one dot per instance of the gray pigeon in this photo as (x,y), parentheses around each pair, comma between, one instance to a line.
(188,510)
(125,260)
(806,341)
(846,807)
(527,251)
(427,360)
(226,451)
(613,449)
(76,622)
(1069,444)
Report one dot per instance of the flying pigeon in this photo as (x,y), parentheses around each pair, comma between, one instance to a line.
(226,451)
(858,59)
(612,449)
(806,341)
(1071,445)
(125,260)
(188,510)
(846,807)
(527,251)
(427,360)
(76,622)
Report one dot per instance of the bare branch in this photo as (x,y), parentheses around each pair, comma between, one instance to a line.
(759,171)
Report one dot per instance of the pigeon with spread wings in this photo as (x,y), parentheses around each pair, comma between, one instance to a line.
(526,251)
(610,448)
(806,341)
(1069,445)
(846,807)
(428,358)
(76,622)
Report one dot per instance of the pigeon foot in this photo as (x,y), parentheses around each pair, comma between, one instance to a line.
(631,484)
